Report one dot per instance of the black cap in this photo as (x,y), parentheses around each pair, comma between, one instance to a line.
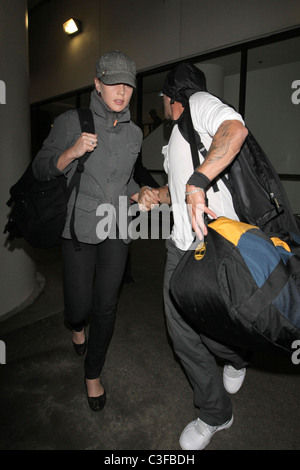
(183,81)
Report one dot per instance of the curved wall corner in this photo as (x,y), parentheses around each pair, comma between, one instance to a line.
(18,277)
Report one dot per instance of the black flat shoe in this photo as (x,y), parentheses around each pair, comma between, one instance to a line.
(80,349)
(96,403)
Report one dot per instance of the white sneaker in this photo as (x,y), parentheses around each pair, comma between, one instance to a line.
(197,434)
(233,378)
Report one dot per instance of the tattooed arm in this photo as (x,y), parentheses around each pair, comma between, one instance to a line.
(225,146)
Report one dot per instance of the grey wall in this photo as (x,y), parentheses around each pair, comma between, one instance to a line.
(159,32)
(153,32)
(17,271)
(58,63)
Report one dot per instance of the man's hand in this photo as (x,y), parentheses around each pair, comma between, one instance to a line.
(197,208)
(146,198)
(164,195)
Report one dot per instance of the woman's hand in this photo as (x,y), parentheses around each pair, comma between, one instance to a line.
(85,143)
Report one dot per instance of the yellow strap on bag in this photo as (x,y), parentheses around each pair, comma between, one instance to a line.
(277,242)
(231,229)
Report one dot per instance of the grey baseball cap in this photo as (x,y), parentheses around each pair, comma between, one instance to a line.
(116,67)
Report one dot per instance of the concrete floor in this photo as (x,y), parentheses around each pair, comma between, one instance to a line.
(149,400)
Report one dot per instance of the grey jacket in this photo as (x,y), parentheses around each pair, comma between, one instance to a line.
(108,172)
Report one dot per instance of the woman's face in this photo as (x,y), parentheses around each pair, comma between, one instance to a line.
(116,97)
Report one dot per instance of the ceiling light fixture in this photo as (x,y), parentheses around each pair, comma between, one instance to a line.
(72,27)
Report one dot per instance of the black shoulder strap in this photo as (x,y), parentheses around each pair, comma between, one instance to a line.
(86,120)
(188,132)
(186,128)
(87,125)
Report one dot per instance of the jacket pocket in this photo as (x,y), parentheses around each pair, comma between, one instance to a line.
(86,203)
(127,161)
(134,148)
(85,216)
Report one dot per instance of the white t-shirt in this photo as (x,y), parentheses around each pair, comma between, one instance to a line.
(208,113)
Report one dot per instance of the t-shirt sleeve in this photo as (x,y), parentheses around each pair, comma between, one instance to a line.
(208,113)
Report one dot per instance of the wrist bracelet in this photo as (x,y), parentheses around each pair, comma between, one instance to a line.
(194,191)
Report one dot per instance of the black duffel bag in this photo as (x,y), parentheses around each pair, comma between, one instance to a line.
(240,288)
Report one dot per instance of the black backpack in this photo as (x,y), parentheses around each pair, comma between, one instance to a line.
(241,289)
(39,208)
(259,197)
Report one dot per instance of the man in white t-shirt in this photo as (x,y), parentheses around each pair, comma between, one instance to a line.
(222,132)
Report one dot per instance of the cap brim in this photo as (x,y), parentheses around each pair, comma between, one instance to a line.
(114,79)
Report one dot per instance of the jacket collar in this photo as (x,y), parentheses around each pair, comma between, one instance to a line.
(99,107)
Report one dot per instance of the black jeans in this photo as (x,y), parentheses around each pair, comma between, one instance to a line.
(197,355)
(91,279)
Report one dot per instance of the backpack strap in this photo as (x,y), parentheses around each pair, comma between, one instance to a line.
(86,120)
(186,128)
(87,125)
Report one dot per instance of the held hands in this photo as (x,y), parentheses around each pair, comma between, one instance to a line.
(147,198)
(195,199)
(85,143)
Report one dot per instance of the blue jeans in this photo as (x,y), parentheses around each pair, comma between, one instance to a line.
(91,279)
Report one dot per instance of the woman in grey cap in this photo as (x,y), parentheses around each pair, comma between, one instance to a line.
(92,275)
